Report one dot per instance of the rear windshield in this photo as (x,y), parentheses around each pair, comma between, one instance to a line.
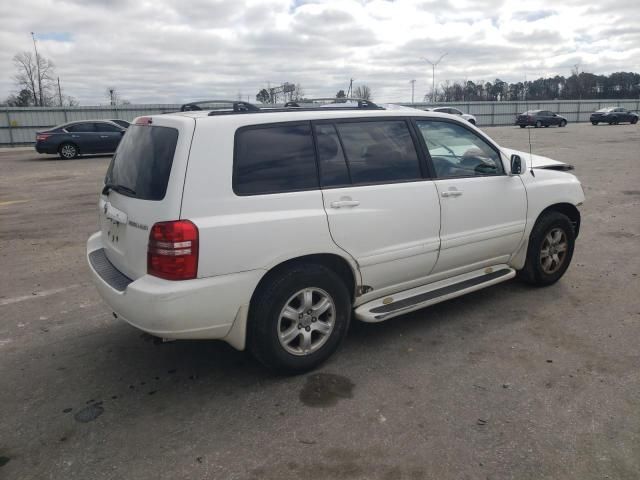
(142,162)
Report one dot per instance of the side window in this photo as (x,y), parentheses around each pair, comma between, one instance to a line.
(81,127)
(379,151)
(274,159)
(333,167)
(455,111)
(107,127)
(458,152)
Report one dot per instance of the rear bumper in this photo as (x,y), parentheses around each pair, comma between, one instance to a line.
(45,148)
(204,308)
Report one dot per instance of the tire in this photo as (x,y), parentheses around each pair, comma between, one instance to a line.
(68,151)
(541,270)
(472,121)
(613,121)
(268,323)
(546,126)
(538,124)
(522,126)
(563,123)
(594,123)
(634,120)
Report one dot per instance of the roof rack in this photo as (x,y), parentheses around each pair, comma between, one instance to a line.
(236,106)
(334,102)
(230,107)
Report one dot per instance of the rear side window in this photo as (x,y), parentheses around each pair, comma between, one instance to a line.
(107,127)
(142,162)
(274,159)
(81,127)
(379,151)
(333,168)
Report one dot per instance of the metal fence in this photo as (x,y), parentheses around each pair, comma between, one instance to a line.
(18,125)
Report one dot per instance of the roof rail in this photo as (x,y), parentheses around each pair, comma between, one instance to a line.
(361,102)
(236,105)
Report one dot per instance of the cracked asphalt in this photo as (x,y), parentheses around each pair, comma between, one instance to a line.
(510,382)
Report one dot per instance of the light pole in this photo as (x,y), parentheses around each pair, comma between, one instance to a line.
(433,71)
(413,85)
(33,37)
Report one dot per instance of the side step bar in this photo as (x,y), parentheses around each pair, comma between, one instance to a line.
(417,298)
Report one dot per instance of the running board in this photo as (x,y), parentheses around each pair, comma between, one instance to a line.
(420,297)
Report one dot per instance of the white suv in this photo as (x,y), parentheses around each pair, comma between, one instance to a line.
(270,229)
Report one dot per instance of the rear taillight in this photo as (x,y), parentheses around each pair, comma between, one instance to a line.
(41,137)
(173,250)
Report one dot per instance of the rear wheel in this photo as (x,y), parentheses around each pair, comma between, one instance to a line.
(594,123)
(550,250)
(522,126)
(472,121)
(538,124)
(613,121)
(299,318)
(68,151)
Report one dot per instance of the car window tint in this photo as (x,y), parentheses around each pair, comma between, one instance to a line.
(333,168)
(379,151)
(458,152)
(81,127)
(274,159)
(455,111)
(107,127)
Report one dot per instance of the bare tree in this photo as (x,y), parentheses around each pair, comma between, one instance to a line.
(298,93)
(36,76)
(363,92)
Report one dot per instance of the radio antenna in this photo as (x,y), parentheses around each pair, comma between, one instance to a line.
(528,129)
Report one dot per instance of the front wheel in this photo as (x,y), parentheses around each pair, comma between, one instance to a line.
(634,120)
(538,124)
(550,250)
(299,318)
(594,123)
(522,126)
(472,121)
(563,123)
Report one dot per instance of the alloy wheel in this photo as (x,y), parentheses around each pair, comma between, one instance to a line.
(306,321)
(553,250)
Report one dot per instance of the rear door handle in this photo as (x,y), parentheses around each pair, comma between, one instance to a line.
(344,203)
(104,136)
(452,193)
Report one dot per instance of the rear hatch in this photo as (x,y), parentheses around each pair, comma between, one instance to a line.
(143,186)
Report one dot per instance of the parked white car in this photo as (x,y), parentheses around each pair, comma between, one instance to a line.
(454,111)
(272,229)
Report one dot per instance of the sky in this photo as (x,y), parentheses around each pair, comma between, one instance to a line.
(173,51)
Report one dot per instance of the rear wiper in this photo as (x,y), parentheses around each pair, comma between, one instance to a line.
(118,188)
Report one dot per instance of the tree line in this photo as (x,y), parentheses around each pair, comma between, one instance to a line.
(578,86)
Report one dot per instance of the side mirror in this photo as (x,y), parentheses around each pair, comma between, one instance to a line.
(516,164)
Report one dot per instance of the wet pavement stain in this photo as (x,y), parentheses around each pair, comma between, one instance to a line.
(325,390)
(89,414)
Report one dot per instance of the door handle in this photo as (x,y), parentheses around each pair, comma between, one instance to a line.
(344,203)
(453,193)
(104,136)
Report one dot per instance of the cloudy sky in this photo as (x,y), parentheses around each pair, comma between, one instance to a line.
(166,51)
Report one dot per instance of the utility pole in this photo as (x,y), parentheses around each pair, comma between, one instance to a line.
(33,37)
(59,92)
(413,85)
(433,71)
(350,91)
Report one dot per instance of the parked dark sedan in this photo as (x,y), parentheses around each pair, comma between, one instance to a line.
(540,118)
(613,116)
(76,138)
